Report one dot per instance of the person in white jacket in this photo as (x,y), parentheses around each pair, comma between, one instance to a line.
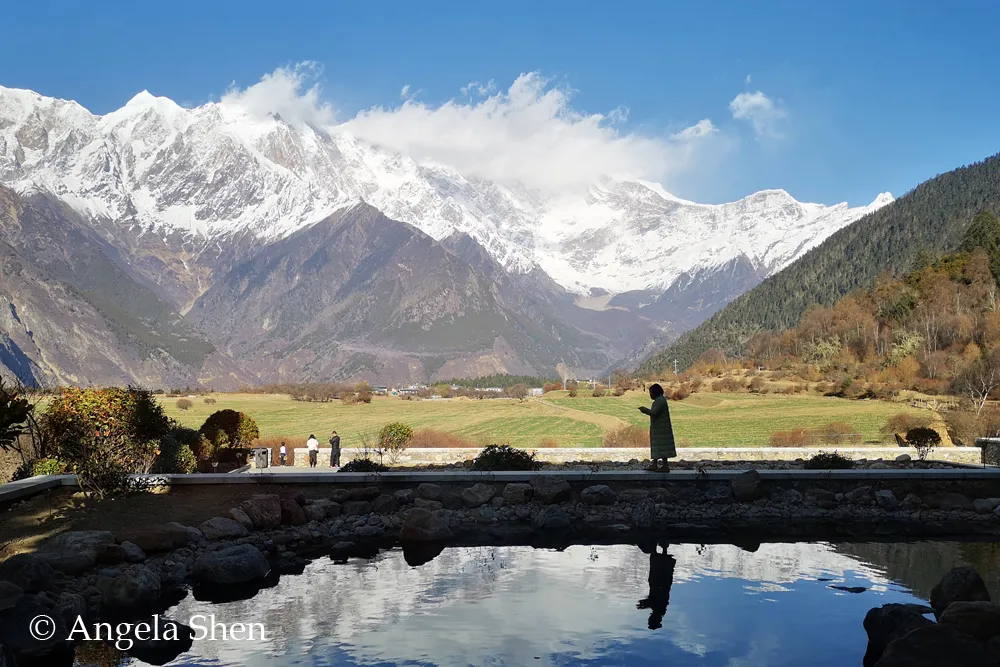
(312,444)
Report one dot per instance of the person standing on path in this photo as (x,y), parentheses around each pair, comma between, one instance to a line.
(334,450)
(661,433)
(312,444)
(282,452)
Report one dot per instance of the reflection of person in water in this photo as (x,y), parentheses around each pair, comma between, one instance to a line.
(661,578)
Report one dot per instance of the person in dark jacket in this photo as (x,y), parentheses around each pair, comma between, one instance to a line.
(661,579)
(661,433)
(334,450)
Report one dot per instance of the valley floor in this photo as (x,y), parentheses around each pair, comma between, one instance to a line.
(701,420)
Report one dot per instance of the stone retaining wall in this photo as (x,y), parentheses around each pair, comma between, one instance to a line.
(970,455)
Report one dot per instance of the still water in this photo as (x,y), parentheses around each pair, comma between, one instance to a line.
(783,604)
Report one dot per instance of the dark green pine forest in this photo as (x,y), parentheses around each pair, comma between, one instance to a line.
(927,222)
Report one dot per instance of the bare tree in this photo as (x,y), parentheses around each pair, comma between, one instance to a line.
(979,379)
(563,371)
(518,391)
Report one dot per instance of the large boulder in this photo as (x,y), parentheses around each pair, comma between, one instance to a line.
(429,491)
(452,501)
(292,513)
(135,588)
(69,607)
(935,645)
(422,525)
(240,517)
(976,619)
(860,495)
(518,493)
(9,594)
(720,494)
(551,490)
(264,511)
(355,507)
(368,493)
(644,514)
(221,528)
(599,494)
(233,565)
(16,635)
(633,496)
(293,494)
(315,512)
(30,573)
(478,495)
(552,516)
(889,622)
(162,647)
(165,537)
(133,552)
(961,584)
(886,500)
(747,487)
(385,504)
(949,502)
(76,551)
(404,496)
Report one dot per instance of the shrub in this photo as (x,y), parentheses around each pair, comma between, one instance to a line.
(680,393)
(547,443)
(238,428)
(728,384)
(598,393)
(424,438)
(901,422)
(796,437)
(104,435)
(393,439)
(626,436)
(829,461)
(504,457)
(619,391)
(176,457)
(184,404)
(757,385)
(572,392)
(15,410)
(923,439)
(362,464)
(49,465)
(364,396)
(210,401)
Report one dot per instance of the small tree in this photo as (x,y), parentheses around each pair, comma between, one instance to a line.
(518,391)
(924,440)
(239,428)
(15,413)
(184,404)
(393,440)
(978,380)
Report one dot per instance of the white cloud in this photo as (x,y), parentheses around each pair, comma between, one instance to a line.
(748,80)
(703,128)
(529,134)
(763,114)
(286,92)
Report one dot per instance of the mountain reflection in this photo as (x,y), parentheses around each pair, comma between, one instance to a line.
(678,604)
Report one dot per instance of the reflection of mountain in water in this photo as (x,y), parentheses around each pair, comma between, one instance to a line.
(506,605)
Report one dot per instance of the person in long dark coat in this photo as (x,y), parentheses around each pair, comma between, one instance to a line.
(661,579)
(334,450)
(661,433)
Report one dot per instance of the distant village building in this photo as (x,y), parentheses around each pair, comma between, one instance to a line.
(495,390)
(379,390)
(537,391)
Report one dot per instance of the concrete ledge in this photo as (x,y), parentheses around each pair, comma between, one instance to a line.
(31,486)
(424,456)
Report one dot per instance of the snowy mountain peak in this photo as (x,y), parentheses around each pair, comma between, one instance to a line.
(223,171)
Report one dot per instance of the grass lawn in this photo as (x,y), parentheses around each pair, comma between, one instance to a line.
(703,420)
(744,420)
(522,424)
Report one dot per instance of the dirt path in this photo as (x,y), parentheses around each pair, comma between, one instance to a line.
(606,422)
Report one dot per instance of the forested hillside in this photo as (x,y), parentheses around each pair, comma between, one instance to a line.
(928,221)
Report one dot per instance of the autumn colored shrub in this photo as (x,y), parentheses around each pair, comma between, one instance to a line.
(428,438)
(184,404)
(105,435)
(626,437)
(547,443)
(901,422)
(798,437)
(838,433)
(598,393)
(210,401)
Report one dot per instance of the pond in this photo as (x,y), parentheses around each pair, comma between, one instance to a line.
(781,604)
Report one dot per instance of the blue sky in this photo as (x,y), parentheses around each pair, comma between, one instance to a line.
(855,98)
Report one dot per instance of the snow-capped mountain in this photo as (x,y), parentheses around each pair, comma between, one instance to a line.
(219,171)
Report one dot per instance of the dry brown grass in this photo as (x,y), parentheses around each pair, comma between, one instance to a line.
(429,438)
(627,437)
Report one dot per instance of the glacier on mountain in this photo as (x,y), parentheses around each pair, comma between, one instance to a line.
(218,172)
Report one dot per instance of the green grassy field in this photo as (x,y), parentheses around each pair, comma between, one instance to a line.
(703,420)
